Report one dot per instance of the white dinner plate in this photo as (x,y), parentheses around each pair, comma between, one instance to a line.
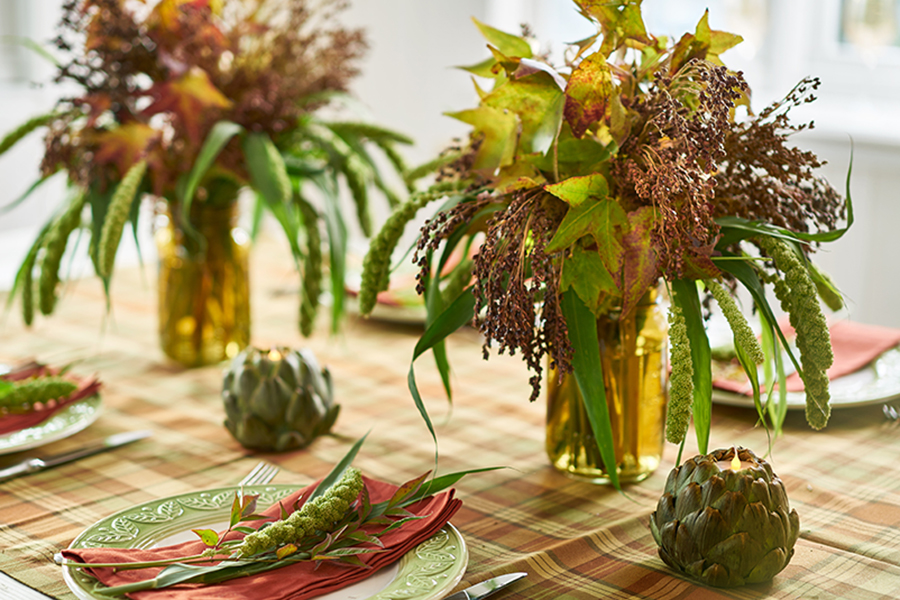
(427,572)
(61,424)
(876,383)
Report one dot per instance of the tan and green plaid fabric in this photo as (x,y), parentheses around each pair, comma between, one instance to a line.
(575,540)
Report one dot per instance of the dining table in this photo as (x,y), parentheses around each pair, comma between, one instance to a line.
(574,539)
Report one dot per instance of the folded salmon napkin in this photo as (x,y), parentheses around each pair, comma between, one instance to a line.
(295,582)
(855,345)
(15,422)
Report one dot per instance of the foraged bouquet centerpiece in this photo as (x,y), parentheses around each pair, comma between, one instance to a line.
(584,185)
(190,102)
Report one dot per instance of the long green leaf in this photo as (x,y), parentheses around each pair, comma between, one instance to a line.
(460,312)
(586,363)
(338,470)
(219,135)
(337,246)
(271,181)
(434,304)
(685,293)
(439,484)
(367,130)
(777,410)
(8,207)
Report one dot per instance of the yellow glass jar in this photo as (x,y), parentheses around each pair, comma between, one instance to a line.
(633,355)
(204,290)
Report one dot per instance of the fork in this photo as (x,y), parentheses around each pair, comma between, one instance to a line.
(261,474)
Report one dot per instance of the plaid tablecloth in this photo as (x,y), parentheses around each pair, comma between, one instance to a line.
(575,540)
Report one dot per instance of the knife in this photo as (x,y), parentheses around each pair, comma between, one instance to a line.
(486,588)
(31,465)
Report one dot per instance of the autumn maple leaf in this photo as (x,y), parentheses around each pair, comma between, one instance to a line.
(124,145)
(190,98)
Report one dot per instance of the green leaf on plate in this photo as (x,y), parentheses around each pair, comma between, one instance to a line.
(207,536)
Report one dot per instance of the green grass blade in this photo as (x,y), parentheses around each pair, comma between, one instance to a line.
(586,363)
(685,292)
(8,207)
(337,246)
(269,178)
(218,137)
(338,470)
(460,312)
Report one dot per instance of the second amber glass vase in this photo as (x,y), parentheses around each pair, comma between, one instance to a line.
(633,356)
(204,290)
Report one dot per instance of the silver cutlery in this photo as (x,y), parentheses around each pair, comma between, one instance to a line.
(32,465)
(486,588)
(261,474)
(890,413)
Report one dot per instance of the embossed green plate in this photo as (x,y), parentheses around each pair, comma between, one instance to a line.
(427,572)
(68,421)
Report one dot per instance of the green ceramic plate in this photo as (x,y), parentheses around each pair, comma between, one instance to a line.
(427,572)
(62,424)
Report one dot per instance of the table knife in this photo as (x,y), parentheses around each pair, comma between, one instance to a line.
(486,588)
(31,465)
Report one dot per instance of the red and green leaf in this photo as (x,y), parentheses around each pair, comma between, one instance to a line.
(124,146)
(639,259)
(620,22)
(209,537)
(588,93)
(407,490)
(286,551)
(535,100)
(190,98)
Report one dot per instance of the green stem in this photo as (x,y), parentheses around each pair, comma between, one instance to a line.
(125,566)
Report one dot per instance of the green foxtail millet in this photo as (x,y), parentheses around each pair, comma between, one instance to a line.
(25,394)
(681,381)
(797,294)
(376,265)
(312,267)
(54,244)
(117,215)
(319,514)
(743,334)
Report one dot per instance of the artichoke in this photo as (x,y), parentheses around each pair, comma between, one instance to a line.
(724,527)
(277,399)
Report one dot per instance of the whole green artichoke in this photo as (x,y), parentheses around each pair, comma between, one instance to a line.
(277,399)
(724,527)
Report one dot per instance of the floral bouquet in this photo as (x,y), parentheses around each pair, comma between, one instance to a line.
(584,184)
(192,102)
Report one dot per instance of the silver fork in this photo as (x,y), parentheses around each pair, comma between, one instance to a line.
(261,474)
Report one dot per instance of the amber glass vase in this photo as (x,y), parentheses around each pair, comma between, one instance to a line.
(204,290)
(633,355)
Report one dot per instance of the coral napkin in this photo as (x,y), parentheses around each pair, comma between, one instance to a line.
(295,582)
(855,346)
(15,422)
